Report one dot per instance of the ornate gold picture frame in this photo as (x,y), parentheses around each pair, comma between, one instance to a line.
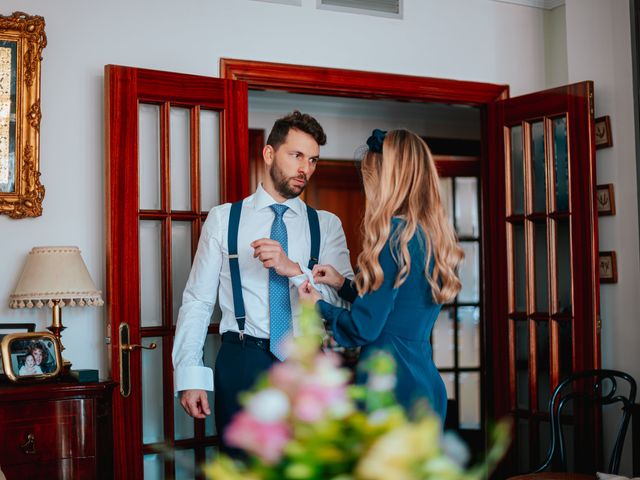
(22,39)
(30,356)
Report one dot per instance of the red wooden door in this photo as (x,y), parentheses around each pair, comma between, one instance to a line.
(176,145)
(541,248)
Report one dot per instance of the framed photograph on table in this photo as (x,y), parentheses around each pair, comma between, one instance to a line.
(608,267)
(7,328)
(30,356)
(603,132)
(606,200)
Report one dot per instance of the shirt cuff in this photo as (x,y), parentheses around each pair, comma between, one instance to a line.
(306,274)
(193,378)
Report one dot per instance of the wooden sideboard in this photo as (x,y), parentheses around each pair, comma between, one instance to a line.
(56,430)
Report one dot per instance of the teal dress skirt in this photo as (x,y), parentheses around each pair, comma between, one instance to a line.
(398,321)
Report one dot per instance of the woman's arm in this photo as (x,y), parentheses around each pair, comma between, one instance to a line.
(368,314)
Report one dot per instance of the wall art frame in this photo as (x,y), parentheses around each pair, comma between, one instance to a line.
(606,200)
(603,132)
(22,39)
(608,266)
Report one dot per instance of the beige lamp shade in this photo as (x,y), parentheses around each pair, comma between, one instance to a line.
(55,274)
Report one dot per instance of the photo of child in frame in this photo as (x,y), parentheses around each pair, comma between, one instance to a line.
(33,356)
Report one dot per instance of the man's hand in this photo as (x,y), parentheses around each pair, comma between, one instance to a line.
(271,254)
(195,403)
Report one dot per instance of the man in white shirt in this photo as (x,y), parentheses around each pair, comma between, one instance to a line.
(273,252)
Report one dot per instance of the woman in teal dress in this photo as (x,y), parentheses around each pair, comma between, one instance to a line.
(406,271)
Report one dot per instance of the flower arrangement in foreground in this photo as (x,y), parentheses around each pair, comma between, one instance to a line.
(304,421)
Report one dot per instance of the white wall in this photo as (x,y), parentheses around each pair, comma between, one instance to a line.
(599,49)
(491,42)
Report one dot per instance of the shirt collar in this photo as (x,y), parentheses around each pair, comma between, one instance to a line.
(262,200)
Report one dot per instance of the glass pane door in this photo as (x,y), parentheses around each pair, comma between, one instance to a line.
(178,184)
(539,262)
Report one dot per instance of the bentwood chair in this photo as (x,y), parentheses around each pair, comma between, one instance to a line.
(598,387)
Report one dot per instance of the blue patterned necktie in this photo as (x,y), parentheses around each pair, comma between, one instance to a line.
(279,303)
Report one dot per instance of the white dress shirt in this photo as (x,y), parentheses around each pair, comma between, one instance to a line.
(210,277)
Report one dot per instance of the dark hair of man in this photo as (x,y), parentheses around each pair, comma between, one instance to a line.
(298,121)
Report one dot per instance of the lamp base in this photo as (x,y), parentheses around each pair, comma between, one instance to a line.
(56,326)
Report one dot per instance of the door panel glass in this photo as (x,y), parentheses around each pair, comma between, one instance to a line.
(519,268)
(449,380)
(470,400)
(149,156)
(443,339)
(446,196)
(523,445)
(467,224)
(517,172)
(216,315)
(563,267)
(185,464)
(152,404)
(468,336)
(566,347)
(182,423)
(469,273)
(544,439)
(180,262)
(541,267)
(211,348)
(153,467)
(150,255)
(543,365)
(180,157)
(561,158)
(522,364)
(209,159)
(538,167)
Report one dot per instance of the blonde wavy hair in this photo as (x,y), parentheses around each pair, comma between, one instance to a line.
(403,182)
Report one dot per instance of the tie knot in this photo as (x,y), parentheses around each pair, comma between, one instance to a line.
(279,209)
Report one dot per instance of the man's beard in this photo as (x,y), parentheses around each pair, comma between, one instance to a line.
(281,183)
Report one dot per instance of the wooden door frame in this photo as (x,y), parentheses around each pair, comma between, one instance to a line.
(386,86)
(121,95)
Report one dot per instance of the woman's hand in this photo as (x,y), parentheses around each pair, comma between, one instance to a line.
(328,275)
(308,293)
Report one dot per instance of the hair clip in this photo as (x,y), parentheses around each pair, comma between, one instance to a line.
(375,141)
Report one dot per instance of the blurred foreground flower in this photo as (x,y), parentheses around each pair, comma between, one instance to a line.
(303,421)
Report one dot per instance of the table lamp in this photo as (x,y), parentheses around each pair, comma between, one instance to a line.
(55,277)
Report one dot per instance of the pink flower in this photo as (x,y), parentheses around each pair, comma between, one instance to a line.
(265,440)
(313,401)
(286,376)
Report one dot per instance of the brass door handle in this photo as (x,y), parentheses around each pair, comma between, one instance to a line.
(125,357)
(29,447)
(130,348)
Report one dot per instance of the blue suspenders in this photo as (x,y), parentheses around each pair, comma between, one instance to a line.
(234,266)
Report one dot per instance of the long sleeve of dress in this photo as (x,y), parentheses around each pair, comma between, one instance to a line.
(369,313)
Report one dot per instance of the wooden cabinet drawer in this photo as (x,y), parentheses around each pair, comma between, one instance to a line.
(65,469)
(70,428)
(45,431)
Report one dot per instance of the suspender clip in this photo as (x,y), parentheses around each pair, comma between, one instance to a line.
(241,335)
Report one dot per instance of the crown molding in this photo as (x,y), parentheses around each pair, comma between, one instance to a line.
(542,4)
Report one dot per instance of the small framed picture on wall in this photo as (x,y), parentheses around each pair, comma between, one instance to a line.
(603,132)
(606,200)
(608,267)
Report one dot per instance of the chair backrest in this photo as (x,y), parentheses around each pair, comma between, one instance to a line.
(600,387)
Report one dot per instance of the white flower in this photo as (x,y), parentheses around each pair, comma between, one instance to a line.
(381,383)
(269,406)
(455,449)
